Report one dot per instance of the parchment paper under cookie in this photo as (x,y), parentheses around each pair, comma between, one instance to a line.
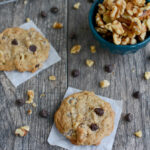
(18,78)
(55,138)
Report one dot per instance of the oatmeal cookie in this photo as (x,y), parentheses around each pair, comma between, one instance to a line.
(22,50)
(84,118)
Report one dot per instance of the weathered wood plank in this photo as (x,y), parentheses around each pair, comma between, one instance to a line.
(11,116)
(123,82)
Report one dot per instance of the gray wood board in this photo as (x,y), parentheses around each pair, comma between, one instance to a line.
(123,82)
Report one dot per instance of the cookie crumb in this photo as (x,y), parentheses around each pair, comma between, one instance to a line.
(138,134)
(93,49)
(57,25)
(31,96)
(147,75)
(52,78)
(34,104)
(77,5)
(75,49)
(89,62)
(104,83)
(28,20)
(22,131)
(29,112)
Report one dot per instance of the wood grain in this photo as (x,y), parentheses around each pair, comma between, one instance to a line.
(123,82)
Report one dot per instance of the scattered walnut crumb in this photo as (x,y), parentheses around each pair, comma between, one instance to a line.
(31,96)
(22,131)
(76,5)
(89,62)
(34,104)
(42,95)
(138,133)
(75,49)
(57,25)
(25,2)
(28,20)
(93,49)
(52,78)
(29,112)
(104,83)
(147,75)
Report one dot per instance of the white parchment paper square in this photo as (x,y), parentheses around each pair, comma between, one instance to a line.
(18,78)
(56,138)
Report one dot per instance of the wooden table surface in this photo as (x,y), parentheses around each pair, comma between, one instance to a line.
(127,77)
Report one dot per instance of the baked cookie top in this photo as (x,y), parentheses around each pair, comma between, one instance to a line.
(22,50)
(84,118)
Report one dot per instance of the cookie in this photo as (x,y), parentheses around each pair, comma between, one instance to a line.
(22,50)
(84,118)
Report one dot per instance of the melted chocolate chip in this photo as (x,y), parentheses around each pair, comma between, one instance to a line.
(14,42)
(36,66)
(108,68)
(94,127)
(137,94)
(99,111)
(129,117)
(54,10)
(43,113)
(75,73)
(20,102)
(43,14)
(32,48)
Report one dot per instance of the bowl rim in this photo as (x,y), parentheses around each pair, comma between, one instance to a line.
(99,37)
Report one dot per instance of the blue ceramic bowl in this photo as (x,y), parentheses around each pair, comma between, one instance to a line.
(115,49)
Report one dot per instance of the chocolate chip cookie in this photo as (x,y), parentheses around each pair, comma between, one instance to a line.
(84,118)
(22,50)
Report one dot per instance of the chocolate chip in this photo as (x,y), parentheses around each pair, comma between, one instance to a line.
(108,68)
(32,48)
(36,66)
(14,42)
(137,94)
(43,113)
(90,1)
(75,73)
(94,127)
(99,111)
(20,102)
(43,14)
(129,117)
(54,10)
(73,36)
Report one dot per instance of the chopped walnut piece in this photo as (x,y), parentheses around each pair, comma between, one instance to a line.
(52,78)
(116,39)
(57,25)
(75,49)
(76,5)
(30,96)
(138,133)
(28,20)
(89,62)
(93,49)
(25,2)
(147,75)
(29,112)
(104,83)
(34,104)
(22,131)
